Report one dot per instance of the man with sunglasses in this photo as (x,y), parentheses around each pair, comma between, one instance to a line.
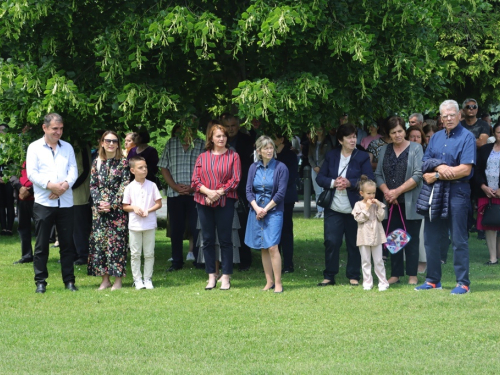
(51,167)
(478,127)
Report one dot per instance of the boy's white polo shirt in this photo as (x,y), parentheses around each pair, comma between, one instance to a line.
(143,195)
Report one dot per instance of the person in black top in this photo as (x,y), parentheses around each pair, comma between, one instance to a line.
(243,144)
(478,127)
(289,158)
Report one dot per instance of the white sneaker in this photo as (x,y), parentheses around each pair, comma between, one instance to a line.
(322,216)
(148,284)
(139,284)
(367,287)
(383,288)
(171,259)
(190,256)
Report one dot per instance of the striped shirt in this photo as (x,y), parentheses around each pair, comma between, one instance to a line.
(180,163)
(215,172)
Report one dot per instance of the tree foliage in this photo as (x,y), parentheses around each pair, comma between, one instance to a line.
(123,64)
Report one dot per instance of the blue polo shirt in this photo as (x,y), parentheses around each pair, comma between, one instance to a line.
(459,147)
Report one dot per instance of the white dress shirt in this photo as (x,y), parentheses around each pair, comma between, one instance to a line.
(44,165)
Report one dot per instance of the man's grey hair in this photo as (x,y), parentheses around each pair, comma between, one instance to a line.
(467,101)
(449,103)
(56,117)
(419,116)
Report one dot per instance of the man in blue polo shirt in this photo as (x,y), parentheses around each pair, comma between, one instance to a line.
(456,147)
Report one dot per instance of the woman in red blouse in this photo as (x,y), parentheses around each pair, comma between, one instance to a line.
(216,176)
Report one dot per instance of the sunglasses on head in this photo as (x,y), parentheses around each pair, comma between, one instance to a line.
(110,141)
(471,106)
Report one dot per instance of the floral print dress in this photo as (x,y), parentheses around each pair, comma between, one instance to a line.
(109,237)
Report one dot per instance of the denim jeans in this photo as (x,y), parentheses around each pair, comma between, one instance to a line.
(457,224)
(336,225)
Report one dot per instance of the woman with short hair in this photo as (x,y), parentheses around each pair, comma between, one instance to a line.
(399,177)
(341,171)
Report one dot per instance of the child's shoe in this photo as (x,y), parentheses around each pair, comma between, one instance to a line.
(139,284)
(383,288)
(148,284)
(367,287)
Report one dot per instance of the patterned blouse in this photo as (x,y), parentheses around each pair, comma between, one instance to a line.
(215,172)
(374,148)
(493,169)
(395,169)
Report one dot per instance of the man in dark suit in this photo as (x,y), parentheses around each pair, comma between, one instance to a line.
(243,144)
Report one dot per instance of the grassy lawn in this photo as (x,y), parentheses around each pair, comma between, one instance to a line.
(180,328)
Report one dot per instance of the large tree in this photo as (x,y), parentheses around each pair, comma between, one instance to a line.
(119,64)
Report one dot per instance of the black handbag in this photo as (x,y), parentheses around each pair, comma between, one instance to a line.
(491,215)
(326,197)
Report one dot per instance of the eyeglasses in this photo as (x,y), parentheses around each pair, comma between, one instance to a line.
(110,141)
(471,106)
(448,116)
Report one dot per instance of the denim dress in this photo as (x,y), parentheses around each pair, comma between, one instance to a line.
(264,233)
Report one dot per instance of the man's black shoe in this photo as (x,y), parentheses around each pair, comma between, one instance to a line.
(40,288)
(172,269)
(21,261)
(71,286)
(244,269)
(80,262)
(287,270)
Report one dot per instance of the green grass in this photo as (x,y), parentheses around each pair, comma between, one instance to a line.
(180,328)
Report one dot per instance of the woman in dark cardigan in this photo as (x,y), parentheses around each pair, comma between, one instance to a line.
(289,158)
(341,170)
(486,178)
(399,177)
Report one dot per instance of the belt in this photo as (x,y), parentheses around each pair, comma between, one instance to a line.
(458,182)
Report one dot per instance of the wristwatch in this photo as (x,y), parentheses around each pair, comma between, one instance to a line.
(437,175)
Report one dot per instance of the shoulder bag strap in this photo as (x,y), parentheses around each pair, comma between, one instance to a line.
(400,214)
(389,221)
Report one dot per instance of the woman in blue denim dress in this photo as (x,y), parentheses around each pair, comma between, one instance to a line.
(266,188)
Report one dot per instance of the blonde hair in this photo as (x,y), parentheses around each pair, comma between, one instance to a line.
(365,181)
(262,142)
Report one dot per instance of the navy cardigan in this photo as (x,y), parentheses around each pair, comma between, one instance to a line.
(280,181)
(359,164)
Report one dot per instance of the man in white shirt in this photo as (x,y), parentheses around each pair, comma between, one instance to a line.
(51,167)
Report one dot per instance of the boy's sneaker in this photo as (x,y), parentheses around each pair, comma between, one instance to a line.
(190,256)
(427,286)
(139,284)
(148,284)
(460,289)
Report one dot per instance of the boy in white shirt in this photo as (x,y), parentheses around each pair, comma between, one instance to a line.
(141,199)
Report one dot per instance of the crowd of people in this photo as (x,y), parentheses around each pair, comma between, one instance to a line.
(236,191)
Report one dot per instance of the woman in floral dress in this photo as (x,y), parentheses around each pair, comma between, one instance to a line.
(109,237)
